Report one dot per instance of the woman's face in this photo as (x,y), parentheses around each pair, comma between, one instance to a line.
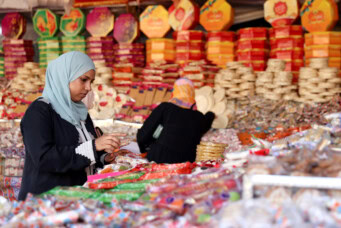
(80,87)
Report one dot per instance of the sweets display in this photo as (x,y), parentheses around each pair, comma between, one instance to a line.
(275,83)
(160,50)
(220,47)
(154,21)
(190,46)
(101,49)
(49,49)
(16,52)
(252,47)
(287,44)
(158,74)
(199,72)
(237,80)
(29,78)
(323,45)
(318,83)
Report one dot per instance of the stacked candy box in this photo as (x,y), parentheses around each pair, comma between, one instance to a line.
(49,49)
(220,47)
(252,47)
(190,46)
(16,50)
(325,45)
(129,53)
(158,73)
(71,25)
(160,50)
(99,23)
(46,25)
(101,49)
(287,44)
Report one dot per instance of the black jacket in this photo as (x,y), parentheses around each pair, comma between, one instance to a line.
(181,133)
(50,145)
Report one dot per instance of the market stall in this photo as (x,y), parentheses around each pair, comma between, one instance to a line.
(272,156)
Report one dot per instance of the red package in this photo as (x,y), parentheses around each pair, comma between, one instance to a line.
(261,55)
(286,31)
(221,36)
(252,44)
(287,54)
(253,33)
(287,43)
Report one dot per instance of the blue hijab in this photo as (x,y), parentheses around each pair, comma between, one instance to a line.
(60,72)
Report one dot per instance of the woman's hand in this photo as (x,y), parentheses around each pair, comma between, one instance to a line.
(108,142)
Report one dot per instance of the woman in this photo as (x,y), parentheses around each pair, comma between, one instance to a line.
(174,129)
(58,133)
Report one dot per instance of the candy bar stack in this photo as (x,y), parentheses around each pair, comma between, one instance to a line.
(220,47)
(74,43)
(159,73)
(130,53)
(129,59)
(29,78)
(160,50)
(210,151)
(125,32)
(237,80)
(275,83)
(323,45)
(16,52)
(287,44)
(124,74)
(46,24)
(101,49)
(99,23)
(199,72)
(2,64)
(190,46)
(49,49)
(318,82)
(252,47)
(71,25)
